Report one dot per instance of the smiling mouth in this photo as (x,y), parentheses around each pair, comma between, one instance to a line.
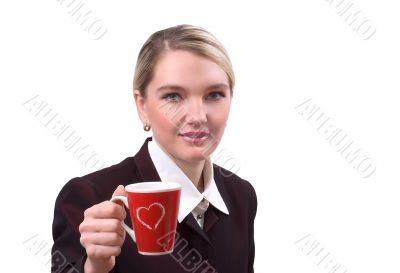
(195,137)
(199,134)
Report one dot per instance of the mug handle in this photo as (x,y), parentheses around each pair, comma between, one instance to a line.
(124,200)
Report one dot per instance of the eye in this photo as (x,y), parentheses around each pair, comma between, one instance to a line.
(216,95)
(172,97)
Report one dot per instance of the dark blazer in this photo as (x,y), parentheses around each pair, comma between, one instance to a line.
(225,245)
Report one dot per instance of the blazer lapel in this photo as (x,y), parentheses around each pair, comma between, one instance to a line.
(219,181)
(190,222)
(146,171)
(210,218)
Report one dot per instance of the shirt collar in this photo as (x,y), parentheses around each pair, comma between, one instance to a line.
(190,196)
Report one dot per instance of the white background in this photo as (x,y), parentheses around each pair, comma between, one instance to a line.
(284,53)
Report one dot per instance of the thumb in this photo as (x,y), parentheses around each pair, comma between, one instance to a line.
(120,190)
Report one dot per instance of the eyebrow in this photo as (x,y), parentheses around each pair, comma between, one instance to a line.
(180,88)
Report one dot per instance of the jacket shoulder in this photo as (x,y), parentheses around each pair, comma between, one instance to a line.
(102,183)
(231,179)
(122,172)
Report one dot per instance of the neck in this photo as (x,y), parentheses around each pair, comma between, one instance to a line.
(194,171)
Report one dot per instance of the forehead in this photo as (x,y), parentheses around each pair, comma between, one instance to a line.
(188,70)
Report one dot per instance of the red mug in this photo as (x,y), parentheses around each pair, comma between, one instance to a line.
(153,207)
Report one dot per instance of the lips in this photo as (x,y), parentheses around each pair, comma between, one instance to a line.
(195,137)
(195,134)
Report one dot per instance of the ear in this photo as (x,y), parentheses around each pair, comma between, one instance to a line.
(141,106)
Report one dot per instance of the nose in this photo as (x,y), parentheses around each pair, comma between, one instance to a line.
(196,113)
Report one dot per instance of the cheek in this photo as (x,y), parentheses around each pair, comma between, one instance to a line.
(162,121)
(220,115)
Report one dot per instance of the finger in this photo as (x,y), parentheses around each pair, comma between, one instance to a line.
(102,252)
(103,239)
(120,190)
(106,210)
(102,225)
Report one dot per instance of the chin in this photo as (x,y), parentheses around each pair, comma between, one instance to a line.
(193,156)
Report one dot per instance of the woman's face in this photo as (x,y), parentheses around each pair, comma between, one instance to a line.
(187,105)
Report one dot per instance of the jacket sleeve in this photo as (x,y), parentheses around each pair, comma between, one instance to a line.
(68,255)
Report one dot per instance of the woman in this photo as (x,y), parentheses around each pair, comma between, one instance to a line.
(183,87)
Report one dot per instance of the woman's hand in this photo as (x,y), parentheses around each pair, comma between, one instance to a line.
(102,234)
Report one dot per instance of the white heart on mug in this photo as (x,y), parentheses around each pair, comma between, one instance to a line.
(144,213)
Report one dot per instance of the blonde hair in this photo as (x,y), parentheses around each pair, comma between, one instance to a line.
(181,37)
